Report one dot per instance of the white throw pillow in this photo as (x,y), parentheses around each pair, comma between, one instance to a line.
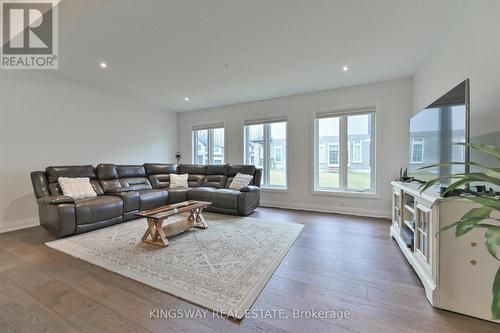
(240,180)
(177,181)
(77,188)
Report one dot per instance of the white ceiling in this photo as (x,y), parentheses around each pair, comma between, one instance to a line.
(162,51)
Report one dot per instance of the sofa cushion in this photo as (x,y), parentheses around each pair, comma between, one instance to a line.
(130,200)
(136,183)
(196,180)
(98,209)
(106,172)
(217,169)
(179,181)
(77,188)
(200,193)
(245,169)
(239,181)
(193,169)
(177,195)
(159,168)
(160,180)
(129,171)
(149,199)
(72,171)
(217,181)
(225,198)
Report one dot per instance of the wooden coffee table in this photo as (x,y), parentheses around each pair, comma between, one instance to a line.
(157,234)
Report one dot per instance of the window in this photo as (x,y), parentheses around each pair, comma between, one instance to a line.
(208,145)
(333,154)
(350,137)
(278,153)
(321,153)
(417,150)
(356,151)
(265,147)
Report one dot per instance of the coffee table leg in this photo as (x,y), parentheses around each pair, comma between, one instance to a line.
(200,219)
(154,232)
(161,233)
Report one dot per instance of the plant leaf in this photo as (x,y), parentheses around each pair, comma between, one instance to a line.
(456,184)
(485,201)
(432,182)
(495,302)
(496,170)
(473,216)
(446,227)
(490,150)
(492,240)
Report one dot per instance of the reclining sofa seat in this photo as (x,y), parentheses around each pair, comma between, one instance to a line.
(210,183)
(62,215)
(130,183)
(123,190)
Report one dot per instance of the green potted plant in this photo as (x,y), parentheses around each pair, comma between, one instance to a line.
(482,217)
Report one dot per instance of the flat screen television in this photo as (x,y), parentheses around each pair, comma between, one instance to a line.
(435,132)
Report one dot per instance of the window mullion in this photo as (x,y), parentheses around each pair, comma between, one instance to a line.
(266,154)
(195,146)
(210,145)
(344,155)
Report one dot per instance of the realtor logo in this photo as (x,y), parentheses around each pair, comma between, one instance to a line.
(29,34)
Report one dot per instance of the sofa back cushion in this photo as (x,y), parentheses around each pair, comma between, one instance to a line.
(160,168)
(195,169)
(217,181)
(196,180)
(108,177)
(159,174)
(133,177)
(235,169)
(71,171)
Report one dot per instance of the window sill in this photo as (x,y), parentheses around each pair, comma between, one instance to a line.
(274,189)
(351,194)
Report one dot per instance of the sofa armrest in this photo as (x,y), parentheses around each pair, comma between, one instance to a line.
(250,188)
(55,200)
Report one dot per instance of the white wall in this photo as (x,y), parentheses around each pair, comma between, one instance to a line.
(469,49)
(394,101)
(49,121)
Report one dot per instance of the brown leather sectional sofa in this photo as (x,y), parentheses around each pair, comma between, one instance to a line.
(123,190)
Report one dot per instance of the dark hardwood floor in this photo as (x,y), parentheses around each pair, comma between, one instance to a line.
(338,263)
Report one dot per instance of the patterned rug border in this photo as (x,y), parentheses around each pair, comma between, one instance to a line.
(239,313)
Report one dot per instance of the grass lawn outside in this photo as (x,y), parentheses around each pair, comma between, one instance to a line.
(355,179)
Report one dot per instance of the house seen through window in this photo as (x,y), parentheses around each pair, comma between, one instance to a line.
(265,147)
(348,162)
(208,145)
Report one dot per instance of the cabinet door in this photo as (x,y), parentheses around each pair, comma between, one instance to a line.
(396,207)
(423,234)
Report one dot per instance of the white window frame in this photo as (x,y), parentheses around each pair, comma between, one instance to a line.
(335,144)
(267,155)
(413,144)
(210,136)
(343,112)
(357,143)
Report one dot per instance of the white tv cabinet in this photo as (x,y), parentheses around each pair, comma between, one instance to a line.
(457,273)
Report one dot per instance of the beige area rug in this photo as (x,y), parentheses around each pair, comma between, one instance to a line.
(223,268)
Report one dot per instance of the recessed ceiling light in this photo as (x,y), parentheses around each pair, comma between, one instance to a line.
(225,66)
(345,68)
(103,65)
(186,99)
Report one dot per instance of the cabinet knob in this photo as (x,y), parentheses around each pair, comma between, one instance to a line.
(473,262)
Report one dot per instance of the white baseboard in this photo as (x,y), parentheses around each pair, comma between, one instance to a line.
(378,213)
(17,225)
